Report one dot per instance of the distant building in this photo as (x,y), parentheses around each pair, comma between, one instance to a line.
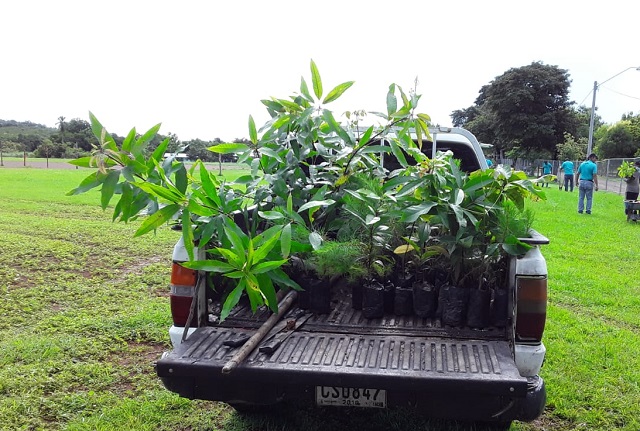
(179,157)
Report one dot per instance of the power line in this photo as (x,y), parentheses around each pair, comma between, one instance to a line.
(585,97)
(622,94)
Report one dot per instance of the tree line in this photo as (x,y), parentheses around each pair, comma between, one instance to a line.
(524,113)
(74,138)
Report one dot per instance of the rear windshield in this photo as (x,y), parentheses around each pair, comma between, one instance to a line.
(468,159)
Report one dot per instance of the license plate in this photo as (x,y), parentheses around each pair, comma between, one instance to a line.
(350,397)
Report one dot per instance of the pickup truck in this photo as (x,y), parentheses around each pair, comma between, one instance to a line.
(343,359)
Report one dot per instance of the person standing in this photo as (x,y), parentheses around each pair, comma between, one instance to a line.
(587,180)
(546,170)
(567,168)
(633,187)
(560,177)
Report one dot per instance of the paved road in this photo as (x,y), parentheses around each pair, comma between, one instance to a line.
(36,164)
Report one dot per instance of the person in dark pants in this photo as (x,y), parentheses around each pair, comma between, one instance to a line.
(633,187)
(567,168)
(587,179)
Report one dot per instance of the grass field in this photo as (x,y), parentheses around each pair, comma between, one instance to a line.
(78,339)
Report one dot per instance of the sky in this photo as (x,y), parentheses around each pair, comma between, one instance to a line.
(201,67)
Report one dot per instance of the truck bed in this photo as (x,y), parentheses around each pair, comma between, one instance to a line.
(412,359)
(345,320)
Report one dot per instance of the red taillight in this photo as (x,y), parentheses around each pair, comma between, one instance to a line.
(181,276)
(531,303)
(183,283)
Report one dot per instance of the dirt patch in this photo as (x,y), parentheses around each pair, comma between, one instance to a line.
(136,359)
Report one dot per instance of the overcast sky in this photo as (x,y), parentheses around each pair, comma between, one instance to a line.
(201,67)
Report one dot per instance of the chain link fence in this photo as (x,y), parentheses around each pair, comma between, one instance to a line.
(608,178)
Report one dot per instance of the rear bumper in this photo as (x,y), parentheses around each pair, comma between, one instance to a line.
(454,403)
(461,379)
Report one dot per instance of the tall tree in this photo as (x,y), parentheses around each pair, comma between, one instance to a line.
(61,127)
(525,111)
(621,140)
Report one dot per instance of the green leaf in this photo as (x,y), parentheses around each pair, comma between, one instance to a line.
(304,89)
(235,259)
(423,121)
(376,149)
(187,233)
(392,101)
(268,291)
(282,279)
(315,239)
(370,219)
(236,241)
(200,210)
(252,287)
(315,204)
(273,105)
(244,180)
(333,124)
(142,141)
(207,183)
(271,215)
(209,266)
(181,179)
(228,148)
(253,134)
(316,81)
(232,300)
(100,132)
(291,105)
(206,234)
(412,213)
(281,121)
(337,92)
(158,153)
(87,184)
(157,219)
(403,249)
(108,188)
(262,251)
(367,135)
(285,240)
(399,155)
(514,246)
(270,153)
(161,192)
(289,204)
(85,162)
(267,266)
(126,144)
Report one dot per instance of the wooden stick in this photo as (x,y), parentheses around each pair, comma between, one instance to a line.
(252,342)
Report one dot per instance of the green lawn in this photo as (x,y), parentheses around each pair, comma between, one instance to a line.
(78,339)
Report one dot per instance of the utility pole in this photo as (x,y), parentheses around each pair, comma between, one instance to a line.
(593,106)
(591,121)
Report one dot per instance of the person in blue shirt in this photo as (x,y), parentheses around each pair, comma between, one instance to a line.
(489,163)
(587,179)
(546,170)
(567,168)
